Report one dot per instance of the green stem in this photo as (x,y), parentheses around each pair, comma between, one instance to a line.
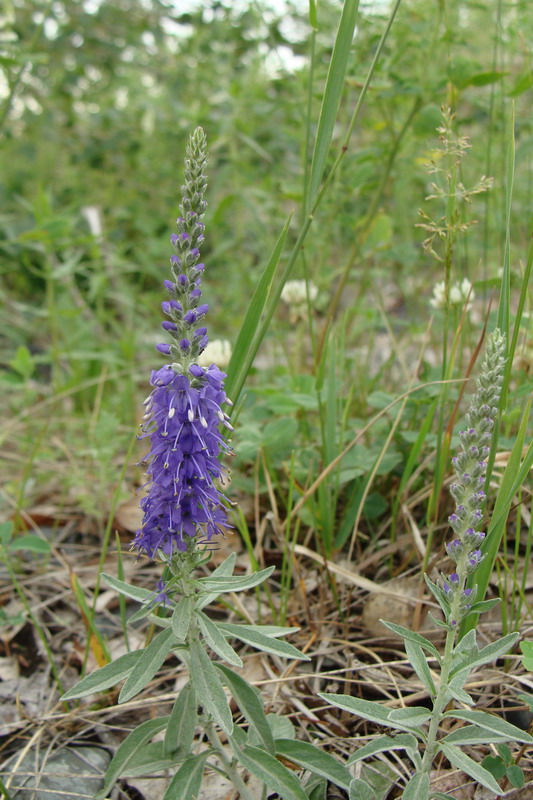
(229,765)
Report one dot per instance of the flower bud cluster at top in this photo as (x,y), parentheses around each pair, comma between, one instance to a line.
(470,467)
(183,413)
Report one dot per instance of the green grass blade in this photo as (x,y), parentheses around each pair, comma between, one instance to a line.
(250,335)
(332,94)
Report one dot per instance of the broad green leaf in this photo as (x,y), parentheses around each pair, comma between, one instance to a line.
(259,641)
(419,663)
(208,688)
(488,653)
(461,761)
(235,583)
(250,703)
(135,592)
(149,663)
(186,783)
(405,633)
(516,776)
(217,641)
(491,723)
(181,617)
(495,766)
(6,532)
(129,749)
(311,757)
(332,95)
(417,788)
(29,542)
(412,716)
(182,722)
(361,790)
(366,709)
(271,771)
(105,677)
(384,744)
(223,570)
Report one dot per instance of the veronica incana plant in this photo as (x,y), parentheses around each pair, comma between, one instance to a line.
(418,727)
(184,510)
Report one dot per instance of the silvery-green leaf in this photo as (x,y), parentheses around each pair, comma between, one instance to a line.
(437,593)
(182,722)
(181,617)
(316,788)
(129,749)
(217,641)
(367,709)
(223,570)
(439,796)
(419,663)
(412,717)
(483,605)
(459,694)
(151,758)
(460,760)
(161,622)
(439,622)
(361,790)
(271,771)
(186,783)
(491,723)
(143,612)
(104,677)
(405,633)
(235,583)
(134,592)
(272,631)
(209,691)
(383,744)
(250,703)
(281,726)
(148,664)
(250,635)
(417,788)
(311,757)
(489,653)
(473,734)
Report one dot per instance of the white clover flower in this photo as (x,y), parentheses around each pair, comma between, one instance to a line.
(218,352)
(294,293)
(459,294)
(439,297)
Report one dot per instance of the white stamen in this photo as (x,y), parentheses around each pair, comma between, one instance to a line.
(203,422)
(171,412)
(190,414)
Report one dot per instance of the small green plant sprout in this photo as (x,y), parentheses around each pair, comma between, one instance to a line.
(418,727)
(183,510)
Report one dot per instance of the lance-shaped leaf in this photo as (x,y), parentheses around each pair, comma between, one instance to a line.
(252,635)
(367,709)
(405,633)
(271,771)
(105,677)
(134,592)
(310,757)
(249,701)
(384,744)
(181,618)
(473,734)
(129,749)
(491,723)
(361,790)
(412,717)
(182,722)
(461,761)
(488,653)
(235,583)
(186,783)
(148,664)
(217,641)
(419,663)
(151,758)
(417,788)
(223,570)
(208,687)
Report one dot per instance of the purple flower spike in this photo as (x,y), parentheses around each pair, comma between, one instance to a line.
(184,506)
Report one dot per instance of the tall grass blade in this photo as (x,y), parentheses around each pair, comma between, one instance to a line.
(332,94)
